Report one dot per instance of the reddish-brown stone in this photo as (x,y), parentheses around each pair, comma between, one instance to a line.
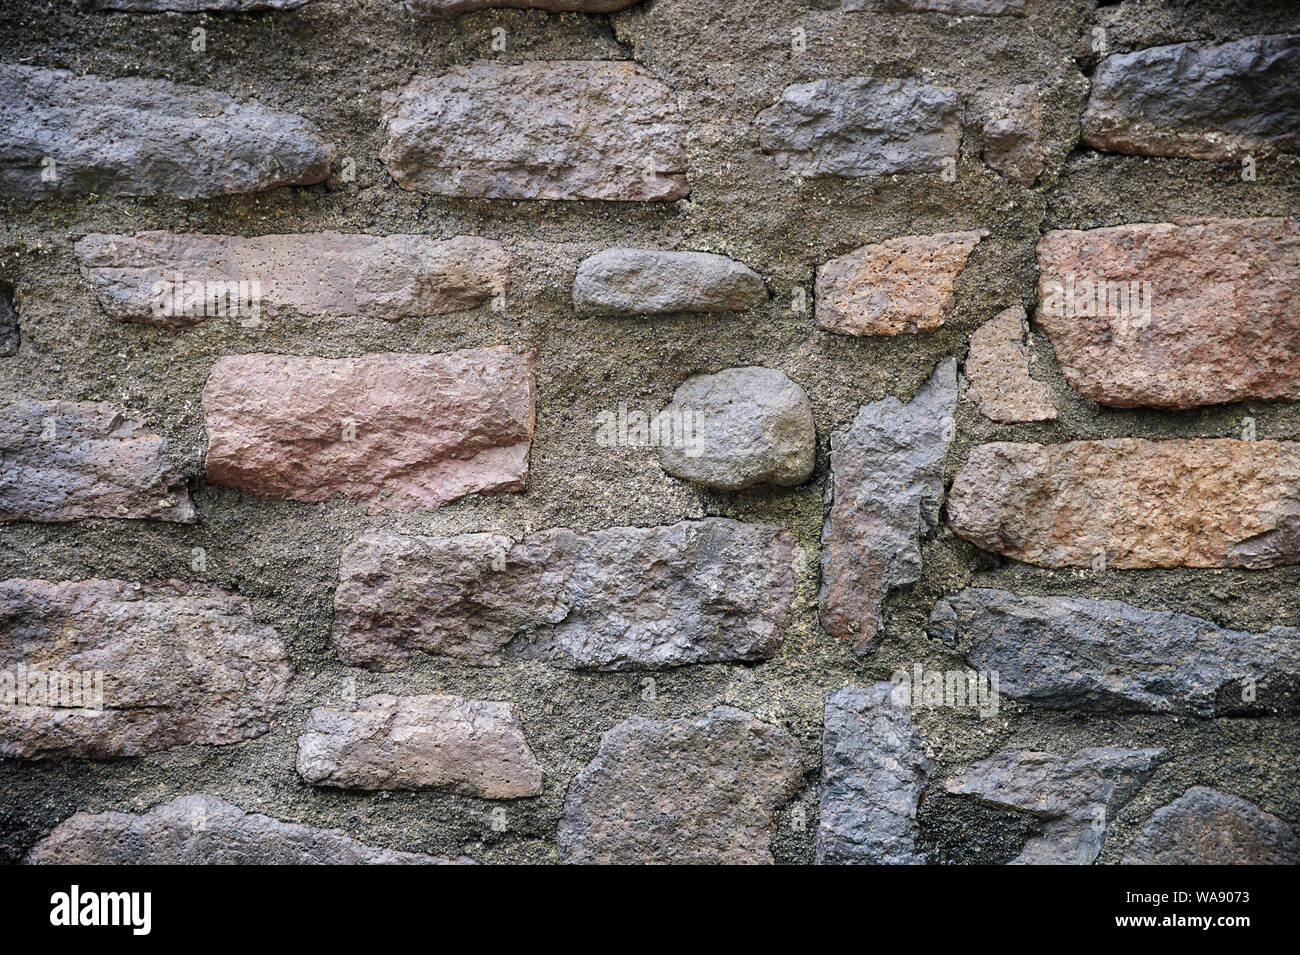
(998,370)
(385,430)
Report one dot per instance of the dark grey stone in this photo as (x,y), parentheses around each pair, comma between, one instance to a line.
(1207,827)
(10,334)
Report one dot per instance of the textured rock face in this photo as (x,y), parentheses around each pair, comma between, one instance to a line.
(747,426)
(884,493)
(65,460)
(1175,316)
(648,282)
(873,770)
(687,791)
(151,277)
(448,743)
(1180,503)
(998,370)
(1076,653)
(861,127)
(10,335)
(619,599)
(899,286)
(1200,100)
(1013,137)
(144,137)
(178,666)
(204,830)
(388,431)
(456,7)
(961,8)
(1207,827)
(1074,796)
(189,6)
(576,130)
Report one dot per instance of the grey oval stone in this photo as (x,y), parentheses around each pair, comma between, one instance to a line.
(649,282)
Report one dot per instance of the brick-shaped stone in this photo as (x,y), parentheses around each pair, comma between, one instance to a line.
(1206,827)
(874,768)
(577,129)
(447,743)
(67,460)
(720,591)
(997,368)
(1199,100)
(900,286)
(451,8)
(1077,653)
(384,430)
(72,135)
(651,282)
(190,6)
(178,279)
(861,126)
(684,791)
(107,668)
(1129,502)
(1175,315)
(883,497)
(204,830)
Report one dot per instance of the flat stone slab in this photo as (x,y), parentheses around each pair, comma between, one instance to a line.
(1075,653)
(1175,316)
(997,367)
(178,279)
(900,286)
(384,430)
(684,791)
(883,497)
(578,129)
(1128,502)
(957,8)
(205,830)
(115,668)
(450,8)
(447,743)
(1206,827)
(1199,100)
(874,769)
(67,460)
(741,427)
(73,135)
(650,282)
(861,126)
(625,598)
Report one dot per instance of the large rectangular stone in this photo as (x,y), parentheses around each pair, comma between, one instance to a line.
(569,129)
(1175,316)
(71,135)
(105,668)
(1129,502)
(624,598)
(177,279)
(385,430)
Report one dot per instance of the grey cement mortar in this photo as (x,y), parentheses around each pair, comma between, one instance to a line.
(330,61)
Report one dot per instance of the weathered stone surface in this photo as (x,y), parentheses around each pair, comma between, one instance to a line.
(1073,653)
(998,370)
(883,497)
(624,598)
(959,8)
(741,427)
(145,137)
(204,830)
(448,743)
(861,126)
(456,7)
(1207,827)
(568,129)
(189,6)
(873,770)
(1175,316)
(146,278)
(1200,100)
(1203,502)
(65,460)
(1013,145)
(649,282)
(10,334)
(685,791)
(898,286)
(1074,796)
(180,665)
(385,430)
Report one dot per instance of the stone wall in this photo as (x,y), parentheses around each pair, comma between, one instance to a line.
(609,431)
